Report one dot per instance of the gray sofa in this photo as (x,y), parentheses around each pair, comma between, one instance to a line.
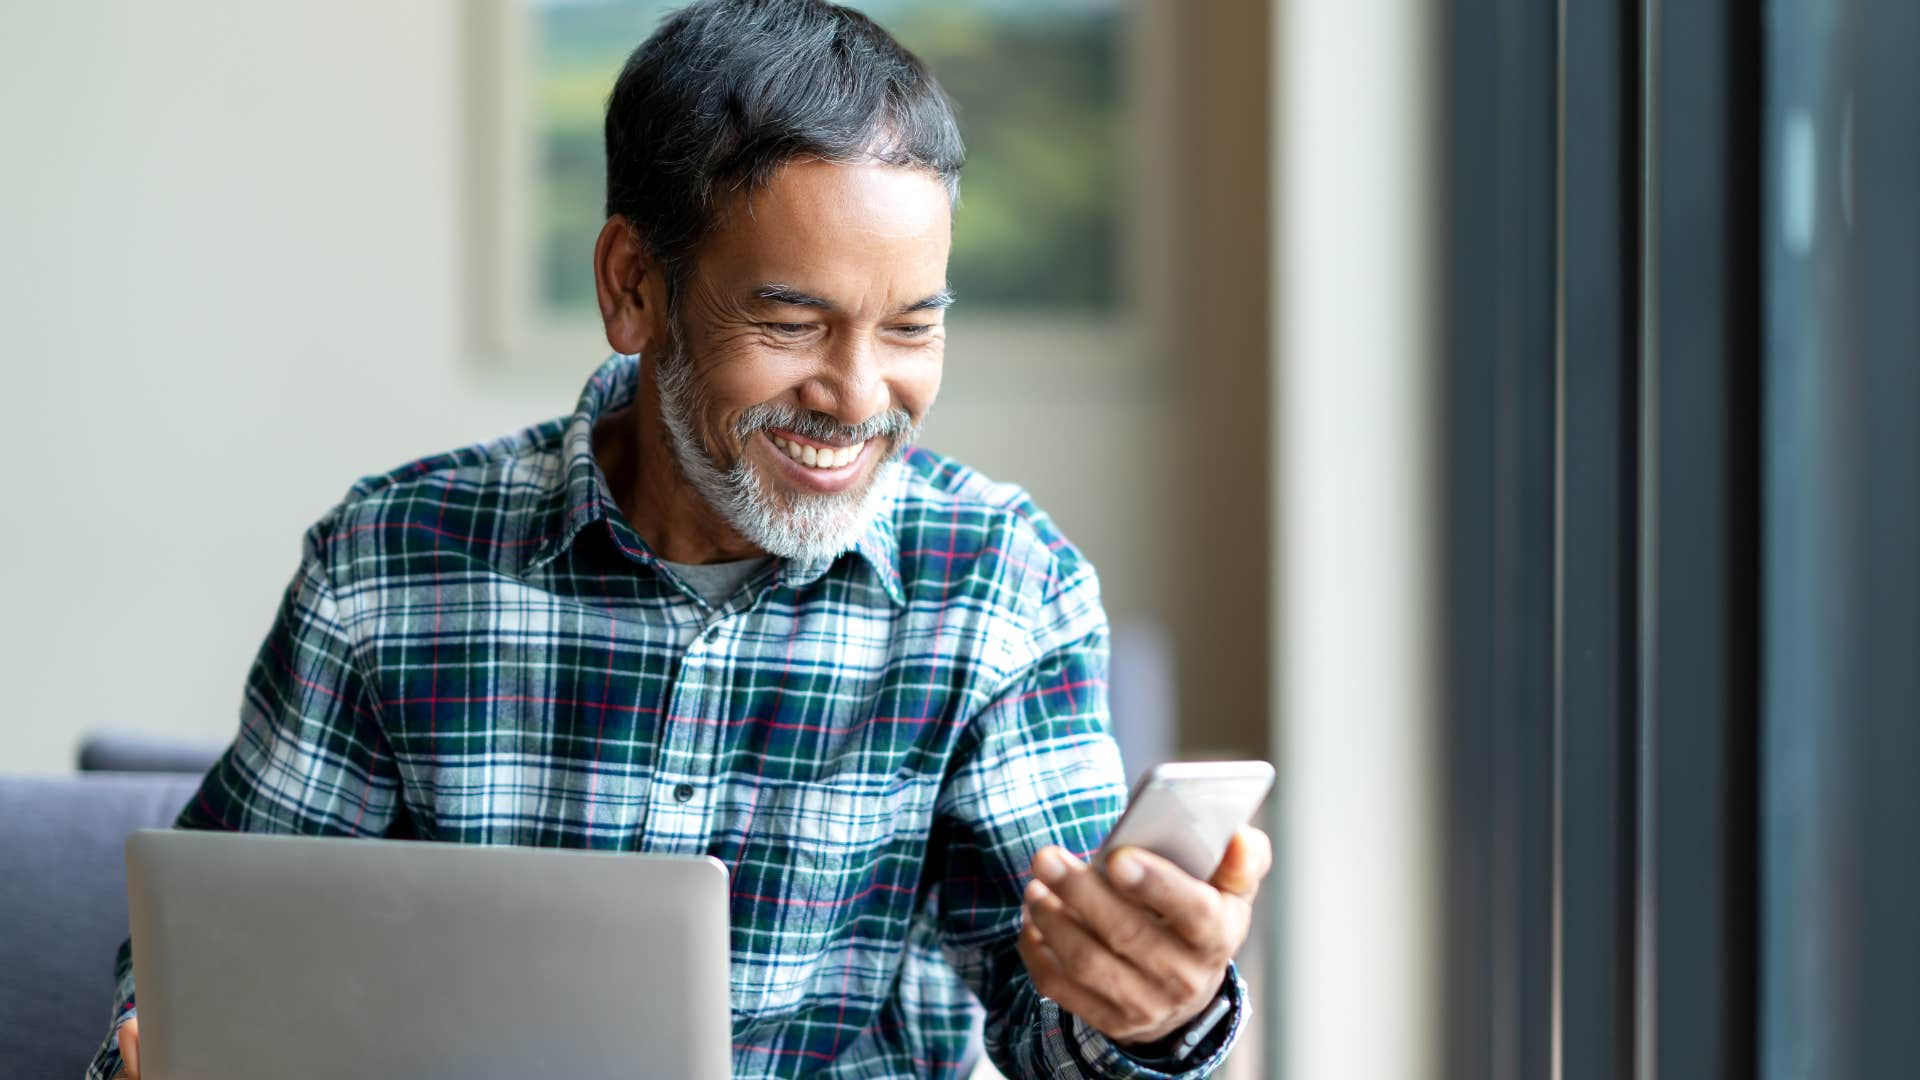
(63,894)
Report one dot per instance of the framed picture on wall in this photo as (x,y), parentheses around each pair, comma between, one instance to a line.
(1063,211)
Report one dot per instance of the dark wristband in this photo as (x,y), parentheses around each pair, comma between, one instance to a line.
(1201,1026)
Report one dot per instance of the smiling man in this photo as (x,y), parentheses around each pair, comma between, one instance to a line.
(728,608)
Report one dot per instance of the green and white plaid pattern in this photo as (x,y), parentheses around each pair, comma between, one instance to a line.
(478,648)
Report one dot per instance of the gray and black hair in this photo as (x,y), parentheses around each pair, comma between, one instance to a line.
(727,91)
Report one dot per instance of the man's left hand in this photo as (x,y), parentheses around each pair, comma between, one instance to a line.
(1139,952)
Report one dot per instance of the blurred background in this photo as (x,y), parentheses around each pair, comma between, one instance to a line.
(1499,414)
(255,254)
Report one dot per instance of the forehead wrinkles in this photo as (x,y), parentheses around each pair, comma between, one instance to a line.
(859,235)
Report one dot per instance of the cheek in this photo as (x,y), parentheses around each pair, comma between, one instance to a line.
(916,381)
(738,375)
(739,371)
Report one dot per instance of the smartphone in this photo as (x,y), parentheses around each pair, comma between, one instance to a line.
(1187,812)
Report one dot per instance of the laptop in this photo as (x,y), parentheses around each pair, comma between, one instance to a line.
(302,958)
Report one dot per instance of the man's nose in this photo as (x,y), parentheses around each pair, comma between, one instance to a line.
(851,385)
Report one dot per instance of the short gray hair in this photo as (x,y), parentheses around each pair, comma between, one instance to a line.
(727,91)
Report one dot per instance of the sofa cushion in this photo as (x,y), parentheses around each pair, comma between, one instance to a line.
(63,907)
(123,751)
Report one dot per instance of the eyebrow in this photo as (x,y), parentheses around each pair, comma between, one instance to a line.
(786,294)
(939,300)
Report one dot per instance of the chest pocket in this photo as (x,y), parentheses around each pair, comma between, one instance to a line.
(824,891)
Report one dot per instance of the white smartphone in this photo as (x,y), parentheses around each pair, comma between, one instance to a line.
(1187,812)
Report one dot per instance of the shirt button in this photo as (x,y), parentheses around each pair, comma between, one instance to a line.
(683,792)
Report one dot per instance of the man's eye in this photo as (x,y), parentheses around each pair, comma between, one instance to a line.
(914,329)
(789,329)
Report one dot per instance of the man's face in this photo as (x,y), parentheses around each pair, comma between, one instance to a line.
(807,350)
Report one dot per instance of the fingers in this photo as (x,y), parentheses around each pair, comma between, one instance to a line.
(1068,964)
(1084,954)
(1136,955)
(1249,858)
(1194,910)
(129,1039)
(1124,926)
(1051,980)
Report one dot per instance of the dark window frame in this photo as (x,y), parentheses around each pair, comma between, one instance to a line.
(1602,564)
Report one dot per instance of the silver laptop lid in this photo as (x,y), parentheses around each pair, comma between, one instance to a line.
(304,958)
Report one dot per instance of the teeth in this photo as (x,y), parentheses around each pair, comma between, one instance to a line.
(818,457)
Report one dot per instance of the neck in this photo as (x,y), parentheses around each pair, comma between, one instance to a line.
(636,454)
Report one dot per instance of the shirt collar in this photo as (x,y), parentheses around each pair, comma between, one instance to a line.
(580,497)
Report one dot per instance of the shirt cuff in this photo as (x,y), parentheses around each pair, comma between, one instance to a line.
(1099,1056)
(106,1060)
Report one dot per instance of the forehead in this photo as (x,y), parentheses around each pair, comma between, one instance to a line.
(860,229)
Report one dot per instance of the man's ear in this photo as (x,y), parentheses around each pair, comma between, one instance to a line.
(632,289)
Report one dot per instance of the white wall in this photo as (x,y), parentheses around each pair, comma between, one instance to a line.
(1355,649)
(230,286)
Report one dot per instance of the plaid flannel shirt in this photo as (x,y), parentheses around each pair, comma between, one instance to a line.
(478,648)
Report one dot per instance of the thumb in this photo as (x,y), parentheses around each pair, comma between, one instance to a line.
(1249,857)
(130,1048)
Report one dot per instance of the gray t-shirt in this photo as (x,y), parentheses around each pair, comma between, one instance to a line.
(715,582)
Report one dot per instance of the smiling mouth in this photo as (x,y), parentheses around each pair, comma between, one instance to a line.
(817,456)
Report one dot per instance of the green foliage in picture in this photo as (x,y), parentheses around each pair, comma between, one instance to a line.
(1039,85)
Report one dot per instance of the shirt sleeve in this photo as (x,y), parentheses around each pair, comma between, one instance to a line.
(309,759)
(1041,767)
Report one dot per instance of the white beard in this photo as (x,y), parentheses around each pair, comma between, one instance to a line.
(802,527)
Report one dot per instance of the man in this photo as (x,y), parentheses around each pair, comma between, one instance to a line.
(727,608)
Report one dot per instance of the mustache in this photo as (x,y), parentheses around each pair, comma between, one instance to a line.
(894,423)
